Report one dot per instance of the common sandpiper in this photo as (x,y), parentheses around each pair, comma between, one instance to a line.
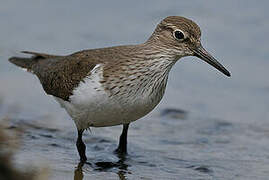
(117,85)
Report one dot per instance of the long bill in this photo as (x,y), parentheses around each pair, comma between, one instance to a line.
(201,53)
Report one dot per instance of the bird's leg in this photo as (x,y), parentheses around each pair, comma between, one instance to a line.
(81,146)
(122,147)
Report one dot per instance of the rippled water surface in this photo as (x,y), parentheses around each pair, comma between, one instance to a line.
(207,126)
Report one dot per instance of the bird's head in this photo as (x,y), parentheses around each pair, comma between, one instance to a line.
(182,37)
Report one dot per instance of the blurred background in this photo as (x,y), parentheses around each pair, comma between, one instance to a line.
(207,125)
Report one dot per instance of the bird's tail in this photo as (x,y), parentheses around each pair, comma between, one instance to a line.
(27,63)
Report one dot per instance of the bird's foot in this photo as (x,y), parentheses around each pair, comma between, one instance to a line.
(121,151)
(83,159)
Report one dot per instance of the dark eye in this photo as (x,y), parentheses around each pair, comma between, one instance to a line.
(179,35)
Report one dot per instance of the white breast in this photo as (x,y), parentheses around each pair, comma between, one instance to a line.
(92,105)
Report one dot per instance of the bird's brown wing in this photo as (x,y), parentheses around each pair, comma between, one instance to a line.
(60,75)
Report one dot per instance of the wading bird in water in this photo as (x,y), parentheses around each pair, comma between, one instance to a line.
(117,85)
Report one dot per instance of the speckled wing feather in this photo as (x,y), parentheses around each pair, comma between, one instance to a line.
(59,75)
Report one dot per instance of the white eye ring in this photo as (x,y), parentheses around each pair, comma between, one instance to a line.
(179,35)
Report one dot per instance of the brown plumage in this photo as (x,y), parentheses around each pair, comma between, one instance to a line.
(59,75)
(117,85)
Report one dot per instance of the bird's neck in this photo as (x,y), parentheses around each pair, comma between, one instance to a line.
(153,65)
(157,49)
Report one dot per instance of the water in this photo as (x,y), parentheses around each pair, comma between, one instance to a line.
(224,133)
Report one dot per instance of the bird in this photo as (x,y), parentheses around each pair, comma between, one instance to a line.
(117,85)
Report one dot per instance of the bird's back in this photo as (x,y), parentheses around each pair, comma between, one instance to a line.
(60,75)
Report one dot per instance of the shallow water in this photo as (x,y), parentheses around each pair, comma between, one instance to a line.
(223,130)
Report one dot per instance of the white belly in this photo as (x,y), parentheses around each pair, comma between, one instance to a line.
(90,105)
(104,111)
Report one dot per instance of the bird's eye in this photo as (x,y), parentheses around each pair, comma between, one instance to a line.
(179,35)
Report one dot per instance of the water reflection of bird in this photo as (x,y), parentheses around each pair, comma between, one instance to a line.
(120,166)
